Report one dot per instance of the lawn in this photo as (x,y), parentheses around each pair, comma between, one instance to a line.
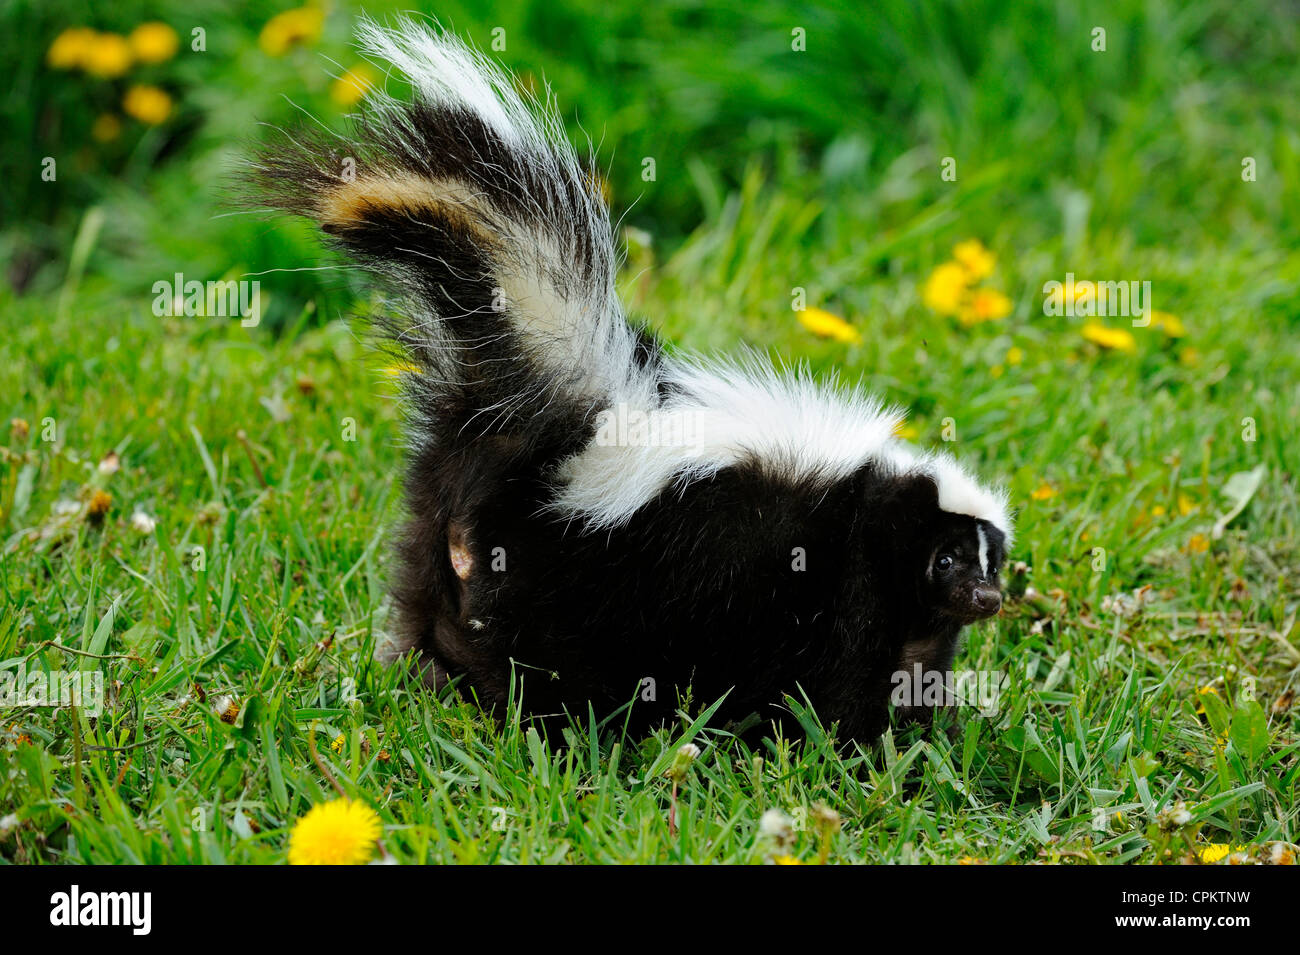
(200,511)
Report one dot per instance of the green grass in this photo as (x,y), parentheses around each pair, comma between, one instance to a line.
(1123,165)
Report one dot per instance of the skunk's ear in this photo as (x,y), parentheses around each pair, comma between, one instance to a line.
(903,506)
(917,496)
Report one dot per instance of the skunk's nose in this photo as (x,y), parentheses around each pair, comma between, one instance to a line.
(987,600)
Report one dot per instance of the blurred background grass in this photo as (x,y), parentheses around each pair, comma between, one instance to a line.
(1140,144)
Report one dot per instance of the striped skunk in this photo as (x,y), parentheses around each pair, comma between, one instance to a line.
(592,519)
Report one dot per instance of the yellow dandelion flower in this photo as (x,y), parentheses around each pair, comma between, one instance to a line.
(148,104)
(339,742)
(599,186)
(1172,325)
(908,432)
(292,28)
(970,860)
(1189,357)
(106,128)
(341,832)
(1015,355)
(945,289)
(984,305)
(1205,691)
(1218,850)
(1186,505)
(1198,544)
(826,325)
(352,86)
(1044,492)
(1117,339)
(974,258)
(99,505)
(785,860)
(526,82)
(107,56)
(1082,291)
(397,369)
(154,42)
(1158,510)
(70,48)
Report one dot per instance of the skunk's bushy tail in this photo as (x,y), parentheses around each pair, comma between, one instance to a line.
(497,240)
(470,200)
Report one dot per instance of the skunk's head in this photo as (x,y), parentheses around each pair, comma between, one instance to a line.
(959,578)
(950,549)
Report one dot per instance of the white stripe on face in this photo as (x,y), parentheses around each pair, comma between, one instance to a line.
(984,551)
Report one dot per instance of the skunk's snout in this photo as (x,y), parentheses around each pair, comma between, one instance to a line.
(987,600)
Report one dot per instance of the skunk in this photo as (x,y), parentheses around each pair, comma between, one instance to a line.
(597,525)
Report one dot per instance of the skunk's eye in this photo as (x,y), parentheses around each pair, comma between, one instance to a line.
(944,562)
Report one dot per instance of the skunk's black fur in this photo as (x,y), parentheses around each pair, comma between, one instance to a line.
(781,539)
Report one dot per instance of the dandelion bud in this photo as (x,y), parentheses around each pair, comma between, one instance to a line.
(686,755)
(826,817)
(1018,579)
(1174,817)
